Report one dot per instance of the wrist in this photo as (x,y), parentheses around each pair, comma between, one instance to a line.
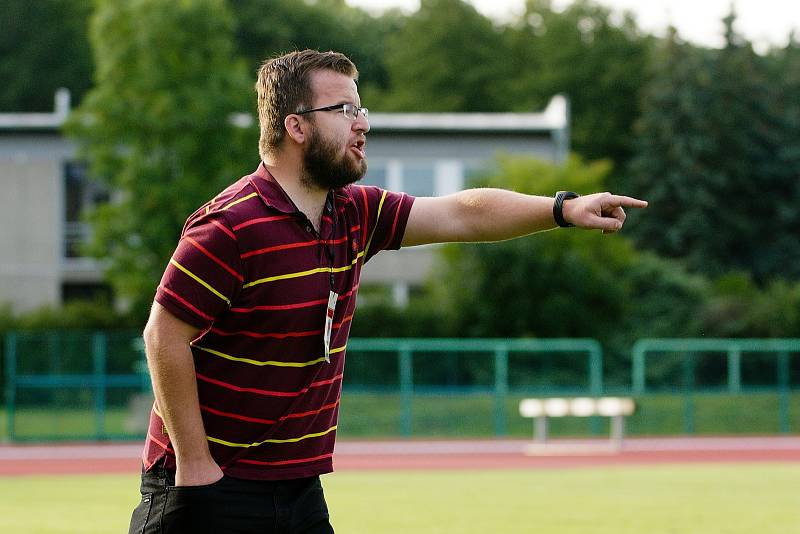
(558,207)
(194,458)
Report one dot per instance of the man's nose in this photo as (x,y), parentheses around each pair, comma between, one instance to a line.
(361,124)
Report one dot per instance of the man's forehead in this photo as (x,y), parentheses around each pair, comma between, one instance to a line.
(330,85)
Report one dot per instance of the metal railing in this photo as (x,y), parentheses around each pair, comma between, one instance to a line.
(92,377)
(500,348)
(734,349)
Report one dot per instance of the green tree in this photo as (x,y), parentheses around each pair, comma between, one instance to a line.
(269,27)
(43,46)
(156,128)
(707,162)
(784,164)
(445,57)
(598,59)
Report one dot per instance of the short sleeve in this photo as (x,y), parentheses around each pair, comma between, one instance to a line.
(384,215)
(204,274)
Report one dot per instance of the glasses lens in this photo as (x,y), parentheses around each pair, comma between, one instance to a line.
(350,111)
(365,112)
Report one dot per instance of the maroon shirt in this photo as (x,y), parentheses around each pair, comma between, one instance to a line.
(253,274)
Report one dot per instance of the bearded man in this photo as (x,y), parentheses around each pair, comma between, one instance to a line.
(247,335)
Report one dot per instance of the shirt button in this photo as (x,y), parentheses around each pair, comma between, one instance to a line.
(308,228)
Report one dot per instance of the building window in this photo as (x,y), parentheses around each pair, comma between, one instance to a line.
(80,195)
(419,179)
(72,291)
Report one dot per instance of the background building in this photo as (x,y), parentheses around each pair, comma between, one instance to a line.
(45,190)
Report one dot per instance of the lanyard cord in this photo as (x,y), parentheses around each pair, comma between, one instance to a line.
(329,207)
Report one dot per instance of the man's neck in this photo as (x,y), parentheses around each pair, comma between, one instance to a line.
(309,200)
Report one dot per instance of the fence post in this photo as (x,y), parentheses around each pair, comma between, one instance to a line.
(638,372)
(596,382)
(688,392)
(11,384)
(734,370)
(783,391)
(500,389)
(406,389)
(99,346)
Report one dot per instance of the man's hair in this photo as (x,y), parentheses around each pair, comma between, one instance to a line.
(284,87)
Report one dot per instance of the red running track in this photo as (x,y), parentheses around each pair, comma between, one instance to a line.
(416,454)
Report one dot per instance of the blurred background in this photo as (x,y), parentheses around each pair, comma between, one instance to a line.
(118,119)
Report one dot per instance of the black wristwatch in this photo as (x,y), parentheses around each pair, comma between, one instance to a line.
(558,206)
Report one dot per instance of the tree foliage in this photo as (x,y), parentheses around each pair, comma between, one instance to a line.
(716,149)
(445,57)
(715,160)
(595,57)
(43,46)
(266,28)
(562,283)
(156,128)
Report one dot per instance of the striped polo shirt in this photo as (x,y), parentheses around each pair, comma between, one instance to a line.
(254,275)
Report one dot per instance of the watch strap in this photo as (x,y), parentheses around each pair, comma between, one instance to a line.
(558,207)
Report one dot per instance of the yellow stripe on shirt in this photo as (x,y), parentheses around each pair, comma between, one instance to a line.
(377,220)
(199,280)
(248,197)
(256,444)
(300,274)
(270,362)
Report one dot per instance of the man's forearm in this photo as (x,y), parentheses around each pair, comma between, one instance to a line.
(497,214)
(175,386)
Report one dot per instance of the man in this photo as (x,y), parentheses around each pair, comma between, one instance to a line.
(247,335)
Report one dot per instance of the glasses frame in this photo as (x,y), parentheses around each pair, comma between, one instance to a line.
(352,109)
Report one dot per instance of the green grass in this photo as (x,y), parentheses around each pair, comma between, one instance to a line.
(696,499)
(68,423)
(366,415)
(67,504)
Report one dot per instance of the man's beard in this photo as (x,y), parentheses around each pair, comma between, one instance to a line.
(324,168)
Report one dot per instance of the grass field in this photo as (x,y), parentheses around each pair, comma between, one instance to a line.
(701,499)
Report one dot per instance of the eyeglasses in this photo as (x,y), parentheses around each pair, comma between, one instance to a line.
(350,111)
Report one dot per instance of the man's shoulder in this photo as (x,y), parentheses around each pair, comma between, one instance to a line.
(235,204)
(358,193)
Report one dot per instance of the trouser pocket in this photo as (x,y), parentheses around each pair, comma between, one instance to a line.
(191,509)
(141,516)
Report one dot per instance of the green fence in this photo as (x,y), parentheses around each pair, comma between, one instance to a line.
(72,384)
(498,351)
(690,351)
(77,385)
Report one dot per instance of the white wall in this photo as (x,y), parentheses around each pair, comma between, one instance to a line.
(31,178)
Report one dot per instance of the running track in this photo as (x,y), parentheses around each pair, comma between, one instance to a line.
(416,454)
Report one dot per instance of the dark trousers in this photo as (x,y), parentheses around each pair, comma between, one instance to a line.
(230,506)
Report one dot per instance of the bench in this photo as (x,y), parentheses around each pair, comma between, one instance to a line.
(617,408)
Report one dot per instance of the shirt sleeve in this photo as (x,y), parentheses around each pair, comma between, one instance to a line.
(204,274)
(385,215)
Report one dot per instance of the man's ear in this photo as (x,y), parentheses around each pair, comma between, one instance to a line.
(295,128)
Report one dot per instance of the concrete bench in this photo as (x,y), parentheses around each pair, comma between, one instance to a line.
(541,409)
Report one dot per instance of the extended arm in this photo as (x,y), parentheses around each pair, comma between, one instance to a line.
(169,359)
(497,214)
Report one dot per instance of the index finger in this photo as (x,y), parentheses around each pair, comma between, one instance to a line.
(628,202)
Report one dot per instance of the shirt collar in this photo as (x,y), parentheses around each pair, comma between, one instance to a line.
(271,191)
(275,197)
